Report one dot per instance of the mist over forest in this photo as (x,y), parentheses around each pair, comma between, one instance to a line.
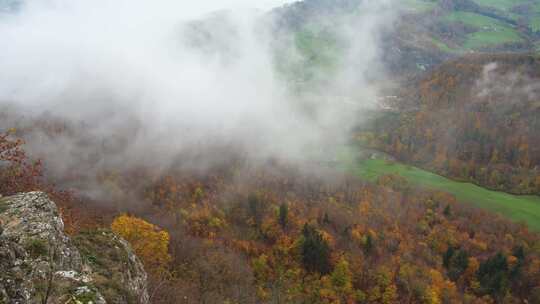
(315,151)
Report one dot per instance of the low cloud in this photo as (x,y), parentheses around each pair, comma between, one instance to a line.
(142,83)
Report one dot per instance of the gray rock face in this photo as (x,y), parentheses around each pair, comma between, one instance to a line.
(39,263)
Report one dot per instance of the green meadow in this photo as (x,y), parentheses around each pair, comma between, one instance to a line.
(489,32)
(515,207)
(503,5)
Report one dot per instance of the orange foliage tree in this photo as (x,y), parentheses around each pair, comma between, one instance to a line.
(150,243)
(18,173)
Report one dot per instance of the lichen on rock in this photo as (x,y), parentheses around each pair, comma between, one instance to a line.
(39,263)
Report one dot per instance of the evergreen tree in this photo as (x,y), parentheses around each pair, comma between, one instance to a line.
(326,219)
(447,256)
(368,245)
(315,251)
(255,208)
(519,253)
(456,261)
(283,215)
(447,211)
(493,275)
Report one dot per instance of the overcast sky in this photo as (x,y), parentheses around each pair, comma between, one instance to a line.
(262,4)
(179,9)
(273,3)
(204,6)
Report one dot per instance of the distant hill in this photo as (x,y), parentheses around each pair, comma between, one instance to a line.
(310,46)
(457,26)
(426,33)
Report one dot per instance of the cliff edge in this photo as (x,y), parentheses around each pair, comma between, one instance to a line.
(39,263)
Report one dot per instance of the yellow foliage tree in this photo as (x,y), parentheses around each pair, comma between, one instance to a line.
(390,295)
(149,242)
(432,296)
(342,277)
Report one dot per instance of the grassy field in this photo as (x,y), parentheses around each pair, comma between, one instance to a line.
(472,19)
(489,38)
(503,5)
(517,208)
(489,32)
(444,47)
(507,5)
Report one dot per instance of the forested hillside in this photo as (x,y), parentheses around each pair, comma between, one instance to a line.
(272,233)
(474,119)
(215,145)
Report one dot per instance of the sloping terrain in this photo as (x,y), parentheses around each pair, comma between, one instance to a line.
(270,232)
(214,224)
(373,166)
(474,119)
(424,33)
(39,263)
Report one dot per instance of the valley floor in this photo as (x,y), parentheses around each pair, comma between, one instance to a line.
(519,208)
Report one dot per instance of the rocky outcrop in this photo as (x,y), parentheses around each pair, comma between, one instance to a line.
(39,263)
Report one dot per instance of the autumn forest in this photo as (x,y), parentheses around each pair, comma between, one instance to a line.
(217,157)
